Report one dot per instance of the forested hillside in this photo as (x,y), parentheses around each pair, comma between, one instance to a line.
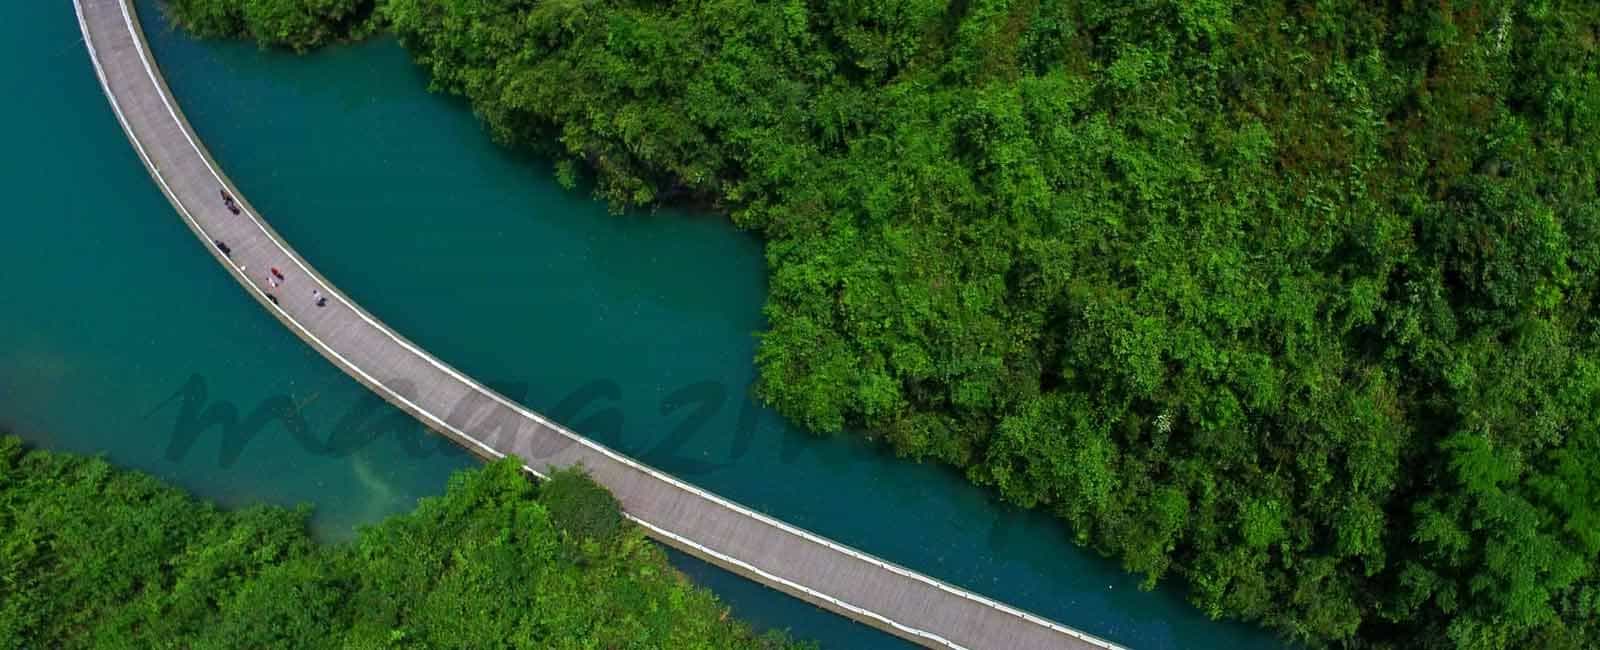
(96,557)
(1292,300)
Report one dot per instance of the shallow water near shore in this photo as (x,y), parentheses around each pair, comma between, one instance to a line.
(122,337)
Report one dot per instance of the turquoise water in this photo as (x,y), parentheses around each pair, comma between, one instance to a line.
(635,329)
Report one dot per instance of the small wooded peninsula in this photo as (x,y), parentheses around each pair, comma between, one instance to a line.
(93,556)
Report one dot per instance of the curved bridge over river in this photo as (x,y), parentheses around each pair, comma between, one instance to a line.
(797,562)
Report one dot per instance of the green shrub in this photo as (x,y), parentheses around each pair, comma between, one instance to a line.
(580,508)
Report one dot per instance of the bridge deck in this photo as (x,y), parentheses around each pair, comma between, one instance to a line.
(775,554)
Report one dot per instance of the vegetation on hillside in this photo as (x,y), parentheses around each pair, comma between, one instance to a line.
(294,24)
(96,557)
(1292,299)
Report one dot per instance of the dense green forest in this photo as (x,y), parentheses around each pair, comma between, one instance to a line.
(1293,300)
(96,557)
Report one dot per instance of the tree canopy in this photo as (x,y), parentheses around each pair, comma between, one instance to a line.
(94,557)
(1292,299)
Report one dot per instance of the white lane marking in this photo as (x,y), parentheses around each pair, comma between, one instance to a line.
(145,59)
(802,588)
